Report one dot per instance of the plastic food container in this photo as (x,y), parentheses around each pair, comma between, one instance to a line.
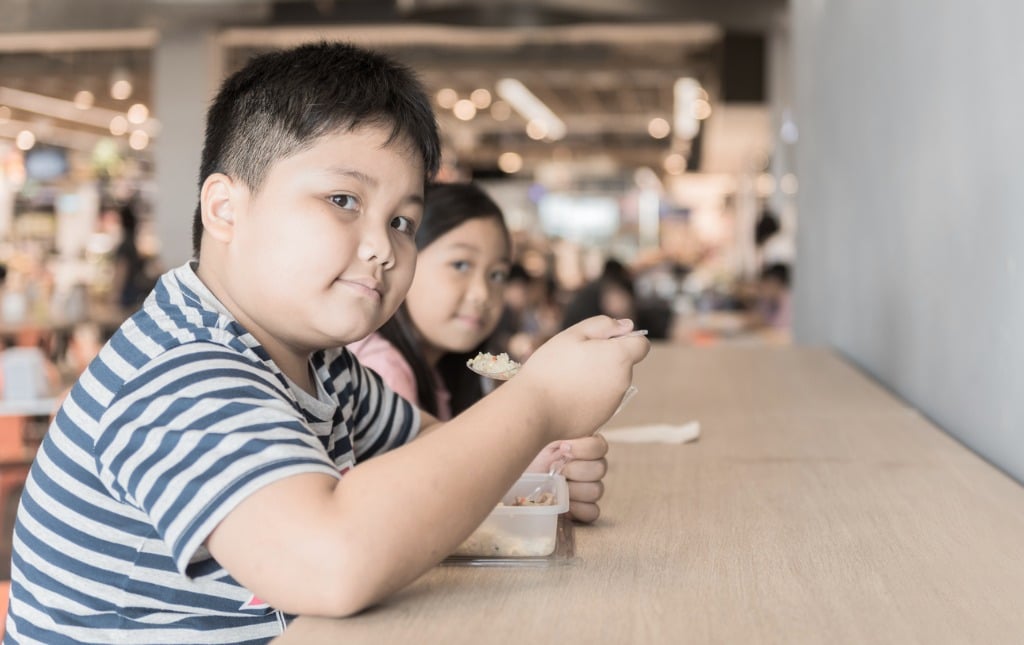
(520,531)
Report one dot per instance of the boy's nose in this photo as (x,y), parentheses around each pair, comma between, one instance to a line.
(375,247)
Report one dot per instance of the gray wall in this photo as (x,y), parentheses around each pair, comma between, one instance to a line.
(911,232)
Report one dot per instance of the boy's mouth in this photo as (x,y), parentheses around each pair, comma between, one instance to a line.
(367,287)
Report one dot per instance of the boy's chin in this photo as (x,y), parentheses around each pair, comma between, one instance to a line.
(354,337)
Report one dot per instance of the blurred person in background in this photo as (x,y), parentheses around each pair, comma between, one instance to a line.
(773,302)
(531,314)
(131,281)
(611,294)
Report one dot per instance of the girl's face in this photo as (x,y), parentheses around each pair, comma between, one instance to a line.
(456,296)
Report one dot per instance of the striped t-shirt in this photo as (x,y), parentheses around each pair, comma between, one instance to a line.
(180,417)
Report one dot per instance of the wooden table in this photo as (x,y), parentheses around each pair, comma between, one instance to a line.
(815,508)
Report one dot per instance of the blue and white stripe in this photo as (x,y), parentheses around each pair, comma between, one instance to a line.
(180,417)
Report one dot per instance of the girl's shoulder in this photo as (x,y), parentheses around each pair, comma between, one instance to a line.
(375,346)
(375,350)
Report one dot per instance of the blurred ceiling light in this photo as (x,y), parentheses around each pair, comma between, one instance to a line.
(96,117)
(501,111)
(510,162)
(446,97)
(481,98)
(464,110)
(530,107)
(120,84)
(701,109)
(659,128)
(675,164)
(118,125)
(121,90)
(138,114)
(138,140)
(788,184)
(5,114)
(536,130)
(84,99)
(765,184)
(25,140)
(684,93)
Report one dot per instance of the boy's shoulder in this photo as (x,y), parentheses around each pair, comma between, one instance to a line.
(181,317)
(181,310)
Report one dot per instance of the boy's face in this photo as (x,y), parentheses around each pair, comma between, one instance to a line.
(324,253)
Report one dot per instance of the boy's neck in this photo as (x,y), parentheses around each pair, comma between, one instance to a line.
(294,365)
(299,374)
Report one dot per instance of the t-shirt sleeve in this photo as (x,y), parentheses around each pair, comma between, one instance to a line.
(381,419)
(384,358)
(193,434)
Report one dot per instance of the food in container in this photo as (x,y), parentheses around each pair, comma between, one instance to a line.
(517,529)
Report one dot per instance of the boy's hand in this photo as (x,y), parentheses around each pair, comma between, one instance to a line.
(581,374)
(584,472)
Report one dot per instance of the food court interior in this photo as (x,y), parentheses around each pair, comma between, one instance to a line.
(673,139)
(604,134)
(641,136)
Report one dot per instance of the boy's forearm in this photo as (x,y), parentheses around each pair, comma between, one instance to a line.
(440,486)
(428,423)
(438,489)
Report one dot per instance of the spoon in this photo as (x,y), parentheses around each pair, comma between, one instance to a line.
(534,496)
(502,368)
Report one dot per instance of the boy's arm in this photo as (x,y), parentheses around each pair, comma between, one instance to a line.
(334,548)
(428,423)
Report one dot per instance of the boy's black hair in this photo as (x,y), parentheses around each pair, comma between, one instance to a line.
(446,206)
(282,102)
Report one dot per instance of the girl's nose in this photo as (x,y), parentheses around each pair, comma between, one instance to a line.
(479,290)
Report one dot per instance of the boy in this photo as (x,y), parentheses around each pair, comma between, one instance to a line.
(198,484)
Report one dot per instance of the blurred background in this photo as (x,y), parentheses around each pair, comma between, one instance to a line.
(745,172)
(648,134)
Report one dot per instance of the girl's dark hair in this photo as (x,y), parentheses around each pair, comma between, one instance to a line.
(281,102)
(446,206)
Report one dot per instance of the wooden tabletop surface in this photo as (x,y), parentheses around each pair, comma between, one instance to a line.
(814,508)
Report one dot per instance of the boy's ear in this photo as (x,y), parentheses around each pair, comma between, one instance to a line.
(218,202)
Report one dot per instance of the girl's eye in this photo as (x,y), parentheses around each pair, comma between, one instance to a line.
(403,225)
(461,266)
(500,276)
(348,202)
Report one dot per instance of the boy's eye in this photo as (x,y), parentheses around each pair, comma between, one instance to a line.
(348,202)
(403,225)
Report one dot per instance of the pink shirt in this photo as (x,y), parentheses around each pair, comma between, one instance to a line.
(377,353)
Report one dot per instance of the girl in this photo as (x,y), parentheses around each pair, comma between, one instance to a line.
(449,313)
(452,307)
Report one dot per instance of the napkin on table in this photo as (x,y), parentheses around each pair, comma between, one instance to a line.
(654,433)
